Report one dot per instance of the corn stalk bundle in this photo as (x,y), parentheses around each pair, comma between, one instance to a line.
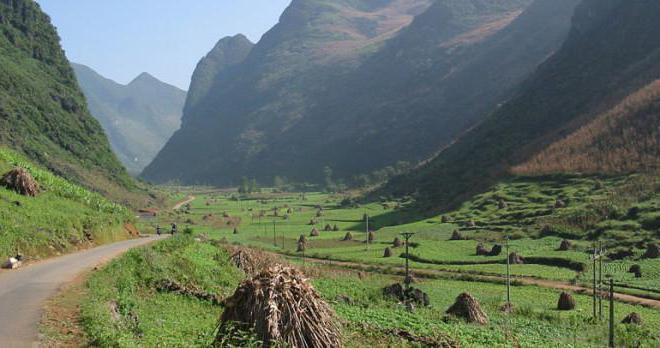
(468,308)
(20,180)
(281,307)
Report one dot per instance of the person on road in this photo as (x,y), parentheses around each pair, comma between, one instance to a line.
(173,228)
(158,231)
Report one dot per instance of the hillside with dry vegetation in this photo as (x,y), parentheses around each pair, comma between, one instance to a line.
(623,140)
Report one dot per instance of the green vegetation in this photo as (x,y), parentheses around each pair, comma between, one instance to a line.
(125,309)
(43,114)
(62,218)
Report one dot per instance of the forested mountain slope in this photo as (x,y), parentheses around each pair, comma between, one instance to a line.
(42,111)
(612,52)
(138,117)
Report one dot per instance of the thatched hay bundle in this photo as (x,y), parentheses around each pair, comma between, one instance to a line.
(252,261)
(348,237)
(371,236)
(456,235)
(652,251)
(620,254)
(397,243)
(315,232)
(301,247)
(225,215)
(636,269)
(21,181)
(471,224)
(335,228)
(388,252)
(468,308)
(302,239)
(516,259)
(481,250)
(289,211)
(328,228)
(496,250)
(319,213)
(560,204)
(312,222)
(280,306)
(444,219)
(235,230)
(566,302)
(501,204)
(633,318)
(565,245)
(507,308)
(412,295)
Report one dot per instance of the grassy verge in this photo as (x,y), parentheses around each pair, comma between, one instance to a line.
(63,218)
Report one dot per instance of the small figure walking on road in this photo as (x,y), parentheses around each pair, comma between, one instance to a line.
(173,228)
(158,231)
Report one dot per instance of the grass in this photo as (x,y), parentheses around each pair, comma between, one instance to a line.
(62,218)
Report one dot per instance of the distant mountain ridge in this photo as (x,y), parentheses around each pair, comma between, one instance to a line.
(595,101)
(359,85)
(138,117)
(43,113)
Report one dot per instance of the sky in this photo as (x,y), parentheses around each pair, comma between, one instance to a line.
(166,38)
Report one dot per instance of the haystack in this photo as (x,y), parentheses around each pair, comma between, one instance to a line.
(444,219)
(335,228)
(565,245)
(496,250)
(235,230)
(471,224)
(633,318)
(281,307)
(312,222)
(652,251)
(637,270)
(481,250)
(348,237)
(397,243)
(412,295)
(301,247)
(302,239)
(372,236)
(456,236)
(328,228)
(468,308)
(388,252)
(566,302)
(560,204)
(501,204)
(252,261)
(516,259)
(315,232)
(19,180)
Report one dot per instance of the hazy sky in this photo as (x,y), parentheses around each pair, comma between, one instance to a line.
(166,38)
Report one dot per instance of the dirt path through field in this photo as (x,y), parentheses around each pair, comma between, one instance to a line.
(178,206)
(24,291)
(528,281)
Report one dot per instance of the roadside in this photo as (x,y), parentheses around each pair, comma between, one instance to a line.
(184,202)
(24,291)
(60,324)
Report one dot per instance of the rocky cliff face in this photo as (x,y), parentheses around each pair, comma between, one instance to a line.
(612,52)
(359,85)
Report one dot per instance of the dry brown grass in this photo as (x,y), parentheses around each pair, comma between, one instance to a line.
(623,140)
(21,181)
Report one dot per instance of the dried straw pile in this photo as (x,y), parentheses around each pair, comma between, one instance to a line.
(516,259)
(315,232)
(565,245)
(282,308)
(468,308)
(387,252)
(482,251)
(633,318)
(457,236)
(566,302)
(397,243)
(348,237)
(252,261)
(19,180)
(652,251)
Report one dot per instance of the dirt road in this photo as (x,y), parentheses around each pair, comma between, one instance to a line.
(23,291)
(181,204)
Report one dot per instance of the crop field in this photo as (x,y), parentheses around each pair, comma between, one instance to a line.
(275,222)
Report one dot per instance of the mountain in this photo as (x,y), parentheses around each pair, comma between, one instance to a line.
(138,117)
(359,85)
(595,101)
(43,113)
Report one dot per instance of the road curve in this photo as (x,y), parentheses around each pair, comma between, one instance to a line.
(23,291)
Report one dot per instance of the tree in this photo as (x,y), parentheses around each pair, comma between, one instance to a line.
(245,186)
(253,187)
(279,182)
(327,175)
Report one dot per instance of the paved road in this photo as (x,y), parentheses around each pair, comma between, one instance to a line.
(23,291)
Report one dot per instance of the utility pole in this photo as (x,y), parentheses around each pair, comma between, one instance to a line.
(600,280)
(508,274)
(611,340)
(274,234)
(594,283)
(407,236)
(366,219)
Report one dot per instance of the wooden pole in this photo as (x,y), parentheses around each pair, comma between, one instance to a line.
(600,281)
(594,284)
(611,340)
(508,273)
